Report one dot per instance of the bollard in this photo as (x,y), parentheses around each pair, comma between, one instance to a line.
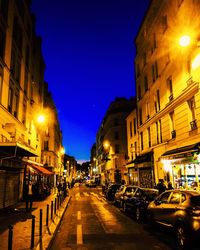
(33,232)
(55,207)
(10,237)
(40,226)
(47,215)
(52,210)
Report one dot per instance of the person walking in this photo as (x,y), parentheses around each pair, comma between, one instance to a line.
(29,196)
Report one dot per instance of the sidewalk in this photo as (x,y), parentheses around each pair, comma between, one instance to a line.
(22,224)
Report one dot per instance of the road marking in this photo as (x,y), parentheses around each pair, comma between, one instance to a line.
(79,235)
(78,215)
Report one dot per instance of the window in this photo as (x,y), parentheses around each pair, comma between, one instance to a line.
(116,122)
(10,99)
(154,43)
(24,112)
(46,145)
(170,88)
(164,198)
(139,92)
(164,23)
(116,135)
(2,42)
(175,198)
(117,149)
(145,83)
(1,86)
(131,129)
(140,116)
(4,8)
(159,132)
(135,126)
(157,101)
(149,136)
(135,145)
(154,69)
(141,141)
(15,105)
(144,58)
(192,115)
(172,126)
(147,110)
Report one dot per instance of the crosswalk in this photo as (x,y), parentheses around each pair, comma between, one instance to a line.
(80,195)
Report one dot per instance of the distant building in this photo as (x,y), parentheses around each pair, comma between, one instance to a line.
(111,141)
(168,96)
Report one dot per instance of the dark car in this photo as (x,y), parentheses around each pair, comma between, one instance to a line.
(124,191)
(136,204)
(179,210)
(111,190)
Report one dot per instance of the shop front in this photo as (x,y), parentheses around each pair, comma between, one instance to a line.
(12,171)
(144,163)
(182,166)
(42,180)
(132,174)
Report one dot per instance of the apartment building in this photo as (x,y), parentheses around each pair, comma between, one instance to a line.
(111,141)
(21,101)
(168,98)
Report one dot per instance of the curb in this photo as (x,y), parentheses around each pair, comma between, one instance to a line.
(50,237)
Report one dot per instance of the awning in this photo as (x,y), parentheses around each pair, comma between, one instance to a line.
(144,158)
(41,170)
(182,151)
(16,149)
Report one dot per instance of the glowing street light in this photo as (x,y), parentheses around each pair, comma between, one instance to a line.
(41,118)
(106,144)
(184,41)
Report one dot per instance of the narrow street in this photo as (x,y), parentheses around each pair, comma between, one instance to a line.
(90,222)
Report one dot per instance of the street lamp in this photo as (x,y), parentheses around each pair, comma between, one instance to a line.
(184,41)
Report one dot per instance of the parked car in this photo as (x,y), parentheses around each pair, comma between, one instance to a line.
(124,191)
(137,202)
(111,190)
(90,183)
(179,210)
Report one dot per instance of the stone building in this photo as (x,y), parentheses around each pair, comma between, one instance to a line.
(111,141)
(21,101)
(168,97)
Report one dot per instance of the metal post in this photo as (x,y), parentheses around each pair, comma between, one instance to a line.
(40,227)
(32,232)
(55,207)
(52,210)
(47,215)
(10,237)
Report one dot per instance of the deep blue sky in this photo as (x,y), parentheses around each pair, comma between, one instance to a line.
(88,48)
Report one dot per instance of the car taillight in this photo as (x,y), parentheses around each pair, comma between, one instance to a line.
(195,213)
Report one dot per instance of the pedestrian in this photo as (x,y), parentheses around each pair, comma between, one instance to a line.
(161,186)
(169,186)
(29,196)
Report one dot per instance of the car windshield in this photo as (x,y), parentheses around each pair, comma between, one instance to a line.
(195,200)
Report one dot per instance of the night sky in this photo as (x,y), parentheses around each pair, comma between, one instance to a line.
(88,48)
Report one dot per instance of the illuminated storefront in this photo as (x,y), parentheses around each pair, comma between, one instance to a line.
(182,166)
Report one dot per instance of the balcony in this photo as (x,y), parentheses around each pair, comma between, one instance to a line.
(173,133)
(193,124)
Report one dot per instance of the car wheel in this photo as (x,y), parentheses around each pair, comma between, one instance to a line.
(138,214)
(181,236)
(124,208)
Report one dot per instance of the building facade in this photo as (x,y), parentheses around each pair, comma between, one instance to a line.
(111,141)
(21,100)
(168,97)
